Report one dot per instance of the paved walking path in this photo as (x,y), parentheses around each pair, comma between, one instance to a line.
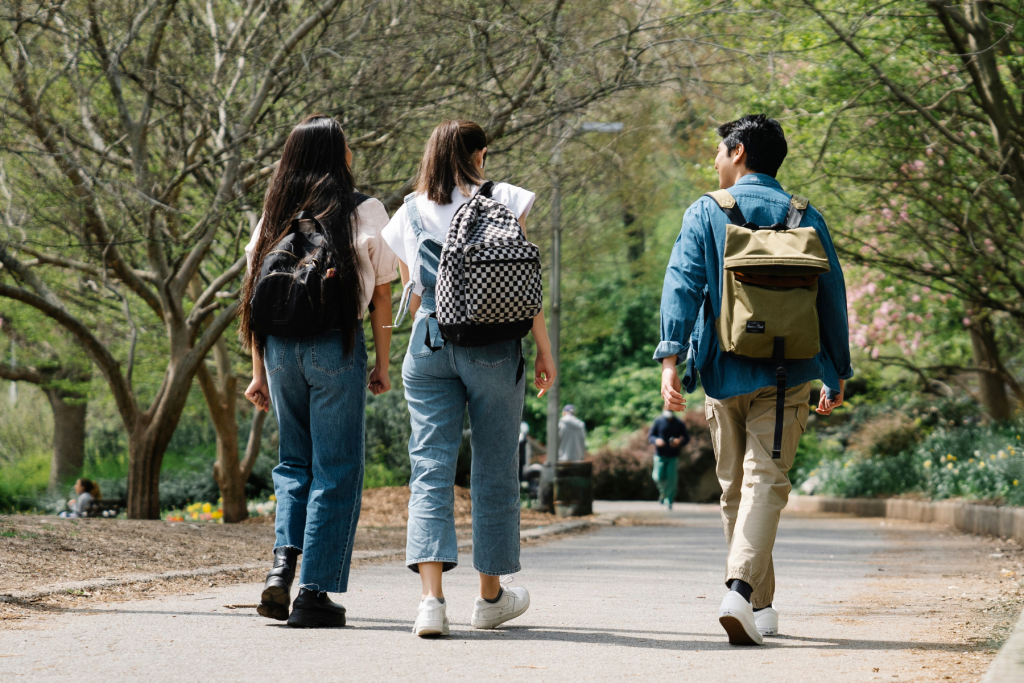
(857,603)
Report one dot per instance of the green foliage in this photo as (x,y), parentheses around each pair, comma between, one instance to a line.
(23,480)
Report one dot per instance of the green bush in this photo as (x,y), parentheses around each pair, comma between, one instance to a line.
(973,462)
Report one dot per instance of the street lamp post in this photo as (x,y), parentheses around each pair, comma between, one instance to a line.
(555,320)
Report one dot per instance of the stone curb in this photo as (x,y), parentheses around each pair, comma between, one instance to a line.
(985,520)
(1008,666)
(96,584)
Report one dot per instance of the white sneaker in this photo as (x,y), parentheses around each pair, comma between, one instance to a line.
(767,621)
(737,618)
(431,619)
(513,602)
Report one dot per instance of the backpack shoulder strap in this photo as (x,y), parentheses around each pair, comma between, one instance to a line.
(727,203)
(360,197)
(797,208)
(414,214)
(486,189)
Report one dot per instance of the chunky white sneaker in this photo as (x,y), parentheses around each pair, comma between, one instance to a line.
(513,602)
(767,621)
(431,619)
(737,618)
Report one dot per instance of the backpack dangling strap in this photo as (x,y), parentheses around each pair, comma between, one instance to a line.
(727,203)
(779,356)
(407,291)
(797,207)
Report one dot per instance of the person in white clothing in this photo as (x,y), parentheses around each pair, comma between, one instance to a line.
(442,380)
(572,436)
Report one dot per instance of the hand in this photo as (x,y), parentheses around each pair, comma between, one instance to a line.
(544,373)
(671,387)
(71,503)
(826,405)
(259,393)
(379,381)
(659,442)
(675,442)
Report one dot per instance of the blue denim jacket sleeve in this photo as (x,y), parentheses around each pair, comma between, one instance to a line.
(832,316)
(685,284)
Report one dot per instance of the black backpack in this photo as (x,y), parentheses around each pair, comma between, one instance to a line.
(297,292)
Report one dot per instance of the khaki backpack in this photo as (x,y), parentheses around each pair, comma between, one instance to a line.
(770,291)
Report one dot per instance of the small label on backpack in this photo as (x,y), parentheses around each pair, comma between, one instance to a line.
(755,327)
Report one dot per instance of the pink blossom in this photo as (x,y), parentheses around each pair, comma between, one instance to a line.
(875,353)
(916,298)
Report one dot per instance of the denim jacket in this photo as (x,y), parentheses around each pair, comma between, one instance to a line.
(695,269)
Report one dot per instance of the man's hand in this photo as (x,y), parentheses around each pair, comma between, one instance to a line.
(659,442)
(676,441)
(671,387)
(827,405)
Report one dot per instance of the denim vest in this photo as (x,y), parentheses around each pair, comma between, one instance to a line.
(424,270)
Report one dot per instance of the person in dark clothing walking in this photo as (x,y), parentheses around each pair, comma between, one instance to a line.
(669,435)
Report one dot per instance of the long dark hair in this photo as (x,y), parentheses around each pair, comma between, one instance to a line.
(448,160)
(313,176)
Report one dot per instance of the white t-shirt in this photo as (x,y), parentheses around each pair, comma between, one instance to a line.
(377,263)
(437,217)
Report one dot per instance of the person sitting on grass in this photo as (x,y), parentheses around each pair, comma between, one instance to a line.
(87,491)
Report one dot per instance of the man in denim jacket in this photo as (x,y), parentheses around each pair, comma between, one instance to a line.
(741,394)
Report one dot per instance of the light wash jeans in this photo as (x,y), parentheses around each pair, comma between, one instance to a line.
(319,397)
(439,384)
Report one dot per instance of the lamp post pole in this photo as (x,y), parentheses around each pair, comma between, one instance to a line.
(555,321)
(561,134)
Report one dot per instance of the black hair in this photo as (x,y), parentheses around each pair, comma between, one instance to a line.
(761,137)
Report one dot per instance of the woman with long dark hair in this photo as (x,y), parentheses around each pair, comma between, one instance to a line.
(442,380)
(317,384)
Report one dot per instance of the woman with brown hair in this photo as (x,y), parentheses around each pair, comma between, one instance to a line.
(317,382)
(443,379)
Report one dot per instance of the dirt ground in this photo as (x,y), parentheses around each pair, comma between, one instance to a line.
(38,551)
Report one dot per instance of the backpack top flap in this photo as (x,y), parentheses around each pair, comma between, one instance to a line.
(781,249)
(796,251)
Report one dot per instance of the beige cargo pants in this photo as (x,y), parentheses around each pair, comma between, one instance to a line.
(755,487)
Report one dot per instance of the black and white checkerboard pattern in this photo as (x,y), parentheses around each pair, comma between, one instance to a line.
(489,273)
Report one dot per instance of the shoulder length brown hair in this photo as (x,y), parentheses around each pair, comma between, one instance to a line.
(313,175)
(448,160)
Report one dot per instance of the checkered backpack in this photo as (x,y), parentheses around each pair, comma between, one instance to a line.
(489,278)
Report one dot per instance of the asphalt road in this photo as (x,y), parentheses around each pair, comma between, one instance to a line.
(623,602)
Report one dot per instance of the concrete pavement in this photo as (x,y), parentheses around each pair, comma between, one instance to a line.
(621,602)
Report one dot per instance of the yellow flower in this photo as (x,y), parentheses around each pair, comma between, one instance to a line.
(1015,482)
(847,463)
(1002,455)
(992,457)
(194,515)
(981,465)
(273,497)
(970,460)
(207,507)
(949,466)
(217,514)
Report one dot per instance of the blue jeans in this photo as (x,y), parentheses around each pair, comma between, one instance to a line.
(319,397)
(439,384)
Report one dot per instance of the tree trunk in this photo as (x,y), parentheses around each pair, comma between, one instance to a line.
(991,387)
(147,443)
(68,437)
(221,394)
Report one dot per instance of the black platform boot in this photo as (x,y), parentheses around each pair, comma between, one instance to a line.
(313,609)
(277,591)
